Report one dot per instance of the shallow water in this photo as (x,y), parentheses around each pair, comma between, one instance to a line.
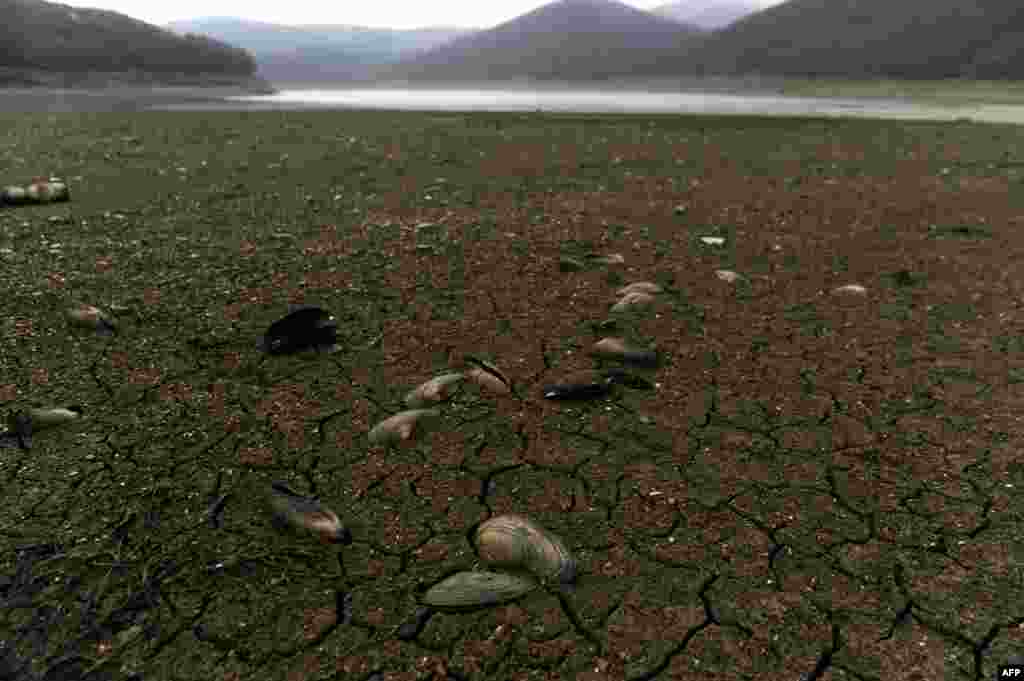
(596,101)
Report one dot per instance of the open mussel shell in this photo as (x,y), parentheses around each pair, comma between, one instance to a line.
(619,350)
(648,287)
(513,541)
(632,300)
(305,328)
(485,374)
(478,589)
(306,514)
(486,379)
(404,425)
(92,318)
(437,389)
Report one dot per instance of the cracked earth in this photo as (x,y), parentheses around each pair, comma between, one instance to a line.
(821,486)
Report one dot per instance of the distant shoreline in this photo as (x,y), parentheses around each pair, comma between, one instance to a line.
(31,91)
(135,97)
(81,100)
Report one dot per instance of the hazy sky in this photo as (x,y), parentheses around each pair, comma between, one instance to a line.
(375,13)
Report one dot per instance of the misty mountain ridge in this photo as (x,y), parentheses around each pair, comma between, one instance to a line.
(584,40)
(319,53)
(709,15)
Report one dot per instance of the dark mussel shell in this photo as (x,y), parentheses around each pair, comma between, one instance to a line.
(306,514)
(306,328)
(586,385)
(589,385)
(20,433)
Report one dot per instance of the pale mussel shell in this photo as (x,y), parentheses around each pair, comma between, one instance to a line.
(403,426)
(632,300)
(50,418)
(648,287)
(485,374)
(488,380)
(478,589)
(515,542)
(437,389)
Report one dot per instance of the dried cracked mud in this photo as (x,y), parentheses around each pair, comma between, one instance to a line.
(822,486)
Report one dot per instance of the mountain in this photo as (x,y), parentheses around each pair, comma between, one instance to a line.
(318,53)
(707,14)
(47,42)
(919,39)
(575,40)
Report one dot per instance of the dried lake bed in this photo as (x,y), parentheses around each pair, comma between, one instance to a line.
(820,484)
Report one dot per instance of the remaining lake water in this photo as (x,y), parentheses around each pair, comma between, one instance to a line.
(595,101)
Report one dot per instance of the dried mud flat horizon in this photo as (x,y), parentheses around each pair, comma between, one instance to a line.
(819,486)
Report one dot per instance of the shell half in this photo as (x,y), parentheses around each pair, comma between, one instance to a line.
(49,418)
(583,385)
(90,317)
(633,299)
(437,389)
(404,425)
(306,514)
(489,380)
(618,349)
(513,541)
(640,287)
(304,328)
(478,589)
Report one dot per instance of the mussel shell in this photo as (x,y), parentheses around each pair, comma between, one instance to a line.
(487,379)
(20,433)
(478,589)
(634,299)
(49,418)
(605,258)
(44,192)
(13,195)
(435,390)
(513,541)
(489,367)
(303,329)
(306,514)
(585,385)
(402,426)
(93,318)
(617,349)
(648,287)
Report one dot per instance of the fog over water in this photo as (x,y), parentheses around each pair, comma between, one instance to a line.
(597,101)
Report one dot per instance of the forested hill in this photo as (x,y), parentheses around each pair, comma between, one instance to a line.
(40,37)
(920,39)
